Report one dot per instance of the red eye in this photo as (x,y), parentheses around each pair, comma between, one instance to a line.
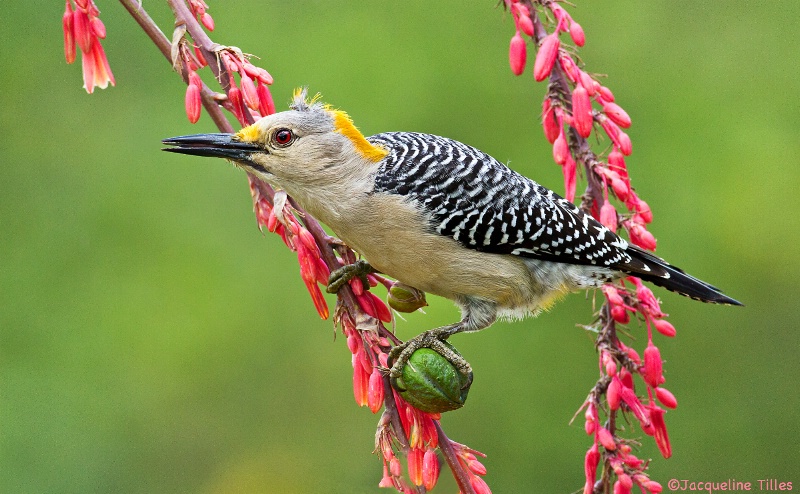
(283,137)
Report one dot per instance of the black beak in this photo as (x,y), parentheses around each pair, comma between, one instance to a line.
(213,145)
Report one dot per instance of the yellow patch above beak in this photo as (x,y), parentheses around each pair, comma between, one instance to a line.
(248,134)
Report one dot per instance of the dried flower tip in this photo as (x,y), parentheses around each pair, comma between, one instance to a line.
(546,57)
(517,54)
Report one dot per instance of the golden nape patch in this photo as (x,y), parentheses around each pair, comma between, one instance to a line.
(344,125)
(248,134)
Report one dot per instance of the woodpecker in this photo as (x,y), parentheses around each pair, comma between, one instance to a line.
(438,215)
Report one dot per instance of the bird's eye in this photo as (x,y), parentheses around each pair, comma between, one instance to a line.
(283,137)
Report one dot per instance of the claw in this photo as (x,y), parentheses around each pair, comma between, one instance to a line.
(359,269)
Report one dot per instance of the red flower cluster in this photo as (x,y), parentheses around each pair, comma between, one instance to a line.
(574,103)
(278,217)
(82,24)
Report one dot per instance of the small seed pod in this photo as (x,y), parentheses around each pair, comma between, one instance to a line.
(431,383)
(404,298)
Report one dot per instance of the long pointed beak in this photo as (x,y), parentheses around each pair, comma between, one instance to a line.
(212,145)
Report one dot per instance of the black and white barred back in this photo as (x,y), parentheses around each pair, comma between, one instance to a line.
(484,205)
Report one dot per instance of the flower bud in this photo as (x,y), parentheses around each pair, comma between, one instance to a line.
(415,460)
(570,172)
(666,398)
(69,34)
(517,54)
(266,106)
(606,439)
(546,57)
(98,28)
(404,298)
(590,462)
(576,33)
(429,382)
(613,393)
(582,118)
(207,21)
(523,18)
(620,314)
(644,211)
(249,94)
(617,114)
(83,31)
(430,469)
(193,103)
(608,216)
(652,365)
(360,385)
(549,121)
(664,327)
(375,391)
(560,149)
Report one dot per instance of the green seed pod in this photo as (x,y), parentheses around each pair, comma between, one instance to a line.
(404,298)
(431,383)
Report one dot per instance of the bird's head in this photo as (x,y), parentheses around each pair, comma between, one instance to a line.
(290,149)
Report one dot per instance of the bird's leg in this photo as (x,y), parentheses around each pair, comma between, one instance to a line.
(359,269)
(477,315)
(433,339)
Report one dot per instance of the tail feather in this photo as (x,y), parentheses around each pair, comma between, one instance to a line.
(651,268)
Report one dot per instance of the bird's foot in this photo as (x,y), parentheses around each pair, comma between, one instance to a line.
(359,269)
(435,339)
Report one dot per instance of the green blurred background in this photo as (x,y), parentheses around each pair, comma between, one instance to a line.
(152,340)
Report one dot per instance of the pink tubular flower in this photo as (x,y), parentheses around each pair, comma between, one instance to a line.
(360,385)
(664,327)
(416,458)
(193,103)
(560,149)
(582,118)
(661,437)
(617,114)
(590,464)
(613,393)
(608,216)
(83,27)
(375,390)
(430,469)
(605,438)
(652,365)
(576,33)
(666,398)
(266,106)
(69,34)
(546,57)
(517,54)
(550,124)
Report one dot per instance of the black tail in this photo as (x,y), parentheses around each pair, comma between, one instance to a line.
(651,268)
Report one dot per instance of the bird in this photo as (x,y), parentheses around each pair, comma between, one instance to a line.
(437,215)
